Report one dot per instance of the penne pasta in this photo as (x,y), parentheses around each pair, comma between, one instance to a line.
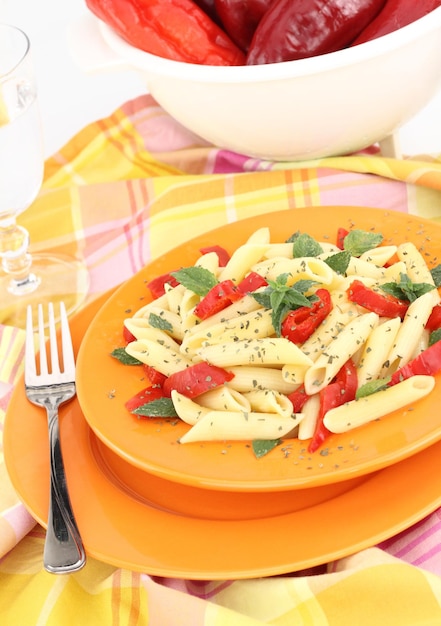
(187,409)
(351,338)
(300,268)
(242,260)
(247,378)
(359,412)
(161,356)
(376,350)
(275,351)
(379,256)
(236,426)
(224,399)
(310,412)
(269,401)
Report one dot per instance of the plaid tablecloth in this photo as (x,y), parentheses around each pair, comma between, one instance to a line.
(121,192)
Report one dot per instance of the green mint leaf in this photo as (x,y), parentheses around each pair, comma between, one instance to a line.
(339,261)
(263,446)
(434,336)
(121,355)
(372,387)
(304,285)
(358,241)
(159,322)
(163,407)
(263,298)
(405,289)
(305,245)
(293,237)
(436,275)
(197,279)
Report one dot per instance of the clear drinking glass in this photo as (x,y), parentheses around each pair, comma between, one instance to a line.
(25,279)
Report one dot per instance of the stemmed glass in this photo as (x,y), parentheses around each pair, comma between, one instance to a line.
(25,279)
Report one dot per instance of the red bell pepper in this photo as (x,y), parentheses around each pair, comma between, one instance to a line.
(222,254)
(434,321)
(394,15)
(157,285)
(197,379)
(251,282)
(174,29)
(299,324)
(337,393)
(383,304)
(241,17)
(428,363)
(341,234)
(298,398)
(127,335)
(157,379)
(219,297)
(295,29)
(149,394)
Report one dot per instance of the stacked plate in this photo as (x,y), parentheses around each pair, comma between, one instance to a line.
(213,510)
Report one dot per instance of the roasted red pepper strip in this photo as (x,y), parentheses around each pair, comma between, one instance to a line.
(157,379)
(394,15)
(381,303)
(251,282)
(241,17)
(149,394)
(341,234)
(298,398)
(157,285)
(222,254)
(337,393)
(127,335)
(219,297)
(295,29)
(174,29)
(428,363)
(299,324)
(434,321)
(197,379)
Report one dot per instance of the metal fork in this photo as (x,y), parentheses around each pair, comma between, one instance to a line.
(49,382)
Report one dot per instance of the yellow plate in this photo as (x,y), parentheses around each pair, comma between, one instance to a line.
(104,384)
(132,519)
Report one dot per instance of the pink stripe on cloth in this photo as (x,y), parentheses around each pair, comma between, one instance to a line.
(420,545)
(20,520)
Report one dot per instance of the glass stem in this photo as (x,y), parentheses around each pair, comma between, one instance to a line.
(15,258)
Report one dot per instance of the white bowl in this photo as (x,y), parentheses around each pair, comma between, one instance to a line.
(321,106)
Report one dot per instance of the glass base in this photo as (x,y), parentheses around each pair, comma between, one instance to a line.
(59,279)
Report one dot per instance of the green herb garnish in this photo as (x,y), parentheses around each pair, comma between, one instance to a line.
(306,246)
(436,275)
(372,387)
(197,279)
(405,289)
(121,355)
(434,336)
(263,446)
(156,321)
(163,407)
(358,241)
(339,261)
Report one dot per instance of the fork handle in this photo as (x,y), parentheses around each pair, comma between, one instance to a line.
(63,549)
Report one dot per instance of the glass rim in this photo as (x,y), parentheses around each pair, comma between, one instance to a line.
(16,29)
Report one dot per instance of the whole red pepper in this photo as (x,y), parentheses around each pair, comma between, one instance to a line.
(174,29)
(383,304)
(394,15)
(299,324)
(296,29)
(241,17)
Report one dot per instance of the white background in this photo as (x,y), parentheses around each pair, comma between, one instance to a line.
(70,97)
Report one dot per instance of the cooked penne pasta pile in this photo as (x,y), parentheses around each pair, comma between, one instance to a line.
(290,339)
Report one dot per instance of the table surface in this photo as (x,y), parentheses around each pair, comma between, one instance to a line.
(70,97)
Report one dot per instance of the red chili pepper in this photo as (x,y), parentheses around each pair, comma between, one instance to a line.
(251,282)
(337,393)
(197,379)
(434,321)
(383,304)
(157,285)
(428,363)
(394,15)
(174,29)
(222,254)
(219,297)
(241,17)
(299,324)
(149,394)
(341,234)
(295,29)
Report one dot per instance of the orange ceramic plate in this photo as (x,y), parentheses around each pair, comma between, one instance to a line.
(135,520)
(104,384)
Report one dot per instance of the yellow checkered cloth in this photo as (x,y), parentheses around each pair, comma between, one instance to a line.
(118,194)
